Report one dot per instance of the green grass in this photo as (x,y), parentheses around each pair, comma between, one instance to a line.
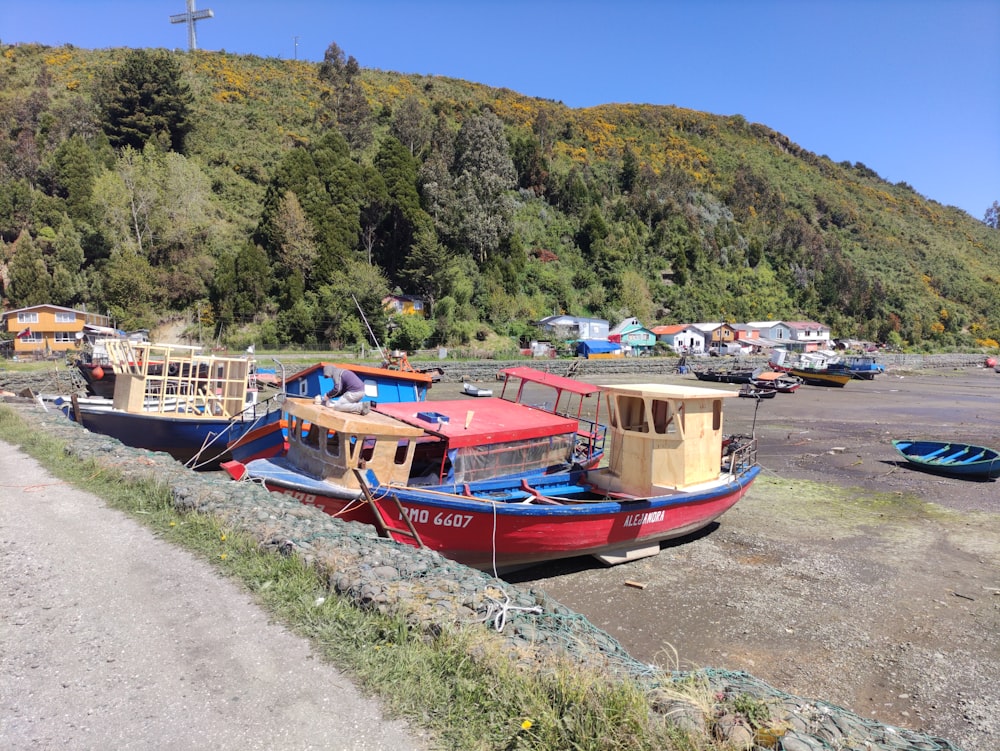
(460,686)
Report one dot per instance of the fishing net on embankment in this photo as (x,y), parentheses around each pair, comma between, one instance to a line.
(793,723)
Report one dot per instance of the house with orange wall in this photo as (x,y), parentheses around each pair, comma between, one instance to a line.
(42,329)
(406,305)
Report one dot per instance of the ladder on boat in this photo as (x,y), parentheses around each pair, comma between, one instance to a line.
(384,525)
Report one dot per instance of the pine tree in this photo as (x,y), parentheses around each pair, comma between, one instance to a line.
(145,100)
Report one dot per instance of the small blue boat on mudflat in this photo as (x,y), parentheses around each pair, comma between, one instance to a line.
(948,458)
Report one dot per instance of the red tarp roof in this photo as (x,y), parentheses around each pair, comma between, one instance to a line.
(494,420)
(571,385)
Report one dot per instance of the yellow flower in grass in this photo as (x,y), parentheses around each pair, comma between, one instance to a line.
(526,725)
(222,556)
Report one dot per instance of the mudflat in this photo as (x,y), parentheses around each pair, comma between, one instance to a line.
(844,575)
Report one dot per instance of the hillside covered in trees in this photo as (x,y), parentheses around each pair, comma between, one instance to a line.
(261,197)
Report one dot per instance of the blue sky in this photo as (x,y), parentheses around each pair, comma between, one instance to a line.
(911,88)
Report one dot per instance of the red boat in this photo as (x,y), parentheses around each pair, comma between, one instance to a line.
(669,473)
(781,382)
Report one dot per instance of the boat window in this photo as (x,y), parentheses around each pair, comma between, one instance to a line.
(632,411)
(367,449)
(310,434)
(402,450)
(295,427)
(663,417)
(332,443)
(717,414)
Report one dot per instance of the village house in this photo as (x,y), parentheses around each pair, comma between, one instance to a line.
(682,338)
(716,333)
(406,305)
(574,327)
(775,333)
(43,329)
(635,338)
(808,336)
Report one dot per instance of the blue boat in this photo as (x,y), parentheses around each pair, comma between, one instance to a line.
(266,436)
(948,458)
(859,366)
(172,398)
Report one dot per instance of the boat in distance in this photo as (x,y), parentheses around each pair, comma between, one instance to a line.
(950,458)
(670,471)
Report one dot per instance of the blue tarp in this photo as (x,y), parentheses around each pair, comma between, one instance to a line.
(588,347)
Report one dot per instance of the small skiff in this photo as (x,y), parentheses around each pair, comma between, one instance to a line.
(946,458)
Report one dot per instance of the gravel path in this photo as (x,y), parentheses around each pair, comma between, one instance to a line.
(113,639)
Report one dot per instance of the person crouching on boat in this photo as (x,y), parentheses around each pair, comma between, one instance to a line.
(347,392)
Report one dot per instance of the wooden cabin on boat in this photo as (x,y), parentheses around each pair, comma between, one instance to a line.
(663,438)
(177,379)
(330,445)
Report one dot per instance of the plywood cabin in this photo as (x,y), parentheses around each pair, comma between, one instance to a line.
(330,445)
(670,434)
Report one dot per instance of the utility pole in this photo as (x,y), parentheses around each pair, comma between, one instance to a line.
(296,47)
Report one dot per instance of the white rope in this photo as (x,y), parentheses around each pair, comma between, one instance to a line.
(497,611)
(493,540)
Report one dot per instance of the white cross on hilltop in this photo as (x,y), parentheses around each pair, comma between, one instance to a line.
(191,17)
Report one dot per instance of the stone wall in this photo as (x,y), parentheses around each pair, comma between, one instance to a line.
(591,370)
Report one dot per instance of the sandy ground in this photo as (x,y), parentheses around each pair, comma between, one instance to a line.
(844,575)
(111,638)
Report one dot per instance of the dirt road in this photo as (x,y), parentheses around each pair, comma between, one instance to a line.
(864,583)
(113,639)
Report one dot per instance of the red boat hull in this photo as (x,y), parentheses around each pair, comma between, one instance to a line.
(508,536)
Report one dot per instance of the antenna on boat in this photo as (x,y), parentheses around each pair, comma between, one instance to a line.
(368,326)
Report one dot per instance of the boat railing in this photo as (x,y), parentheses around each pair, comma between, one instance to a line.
(590,439)
(740,454)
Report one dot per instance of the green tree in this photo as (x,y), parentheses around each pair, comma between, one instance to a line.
(144,99)
(74,170)
(483,173)
(16,200)
(159,206)
(345,103)
(68,285)
(241,285)
(409,332)
(411,124)
(630,171)
(633,296)
(404,218)
(429,269)
(30,283)
(992,217)
(296,238)
(339,316)
(130,291)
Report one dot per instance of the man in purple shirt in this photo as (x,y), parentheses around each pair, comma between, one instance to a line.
(347,392)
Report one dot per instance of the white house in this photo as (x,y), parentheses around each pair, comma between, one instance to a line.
(575,327)
(774,331)
(808,336)
(681,338)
